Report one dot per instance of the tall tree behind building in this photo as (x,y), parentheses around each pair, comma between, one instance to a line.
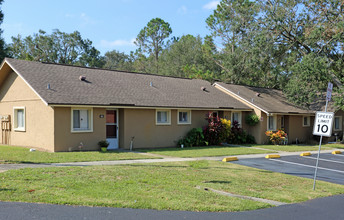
(58,47)
(151,39)
(3,50)
(288,44)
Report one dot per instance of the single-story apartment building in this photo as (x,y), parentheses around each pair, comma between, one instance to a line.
(60,107)
(274,110)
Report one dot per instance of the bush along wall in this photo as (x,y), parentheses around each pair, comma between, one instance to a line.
(193,138)
(217,131)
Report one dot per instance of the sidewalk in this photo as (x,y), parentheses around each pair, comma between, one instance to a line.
(5,167)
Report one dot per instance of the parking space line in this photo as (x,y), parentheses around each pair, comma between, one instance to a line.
(299,164)
(334,161)
(341,155)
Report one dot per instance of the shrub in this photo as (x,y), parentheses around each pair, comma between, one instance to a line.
(239,136)
(194,137)
(276,137)
(252,119)
(250,139)
(103,144)
(217,130)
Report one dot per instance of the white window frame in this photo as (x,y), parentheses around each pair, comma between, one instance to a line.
(239,118)
(188,117)
(168,117)
(308,121)
(340,123)
(274,122)
(90,121)
(15,119)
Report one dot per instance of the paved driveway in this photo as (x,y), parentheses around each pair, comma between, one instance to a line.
(317,209)
(330,169)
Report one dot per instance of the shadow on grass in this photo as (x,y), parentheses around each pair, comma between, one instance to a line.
(22,162)
(218,181)
(7,190)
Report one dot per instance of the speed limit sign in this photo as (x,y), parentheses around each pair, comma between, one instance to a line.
(323,124)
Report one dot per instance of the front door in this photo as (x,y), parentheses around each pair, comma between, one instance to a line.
(112,128)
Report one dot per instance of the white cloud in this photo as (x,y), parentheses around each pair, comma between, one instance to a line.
(211,5)
(117,43)
(182,10)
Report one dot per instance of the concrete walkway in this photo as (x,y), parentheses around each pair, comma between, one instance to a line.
(4,167)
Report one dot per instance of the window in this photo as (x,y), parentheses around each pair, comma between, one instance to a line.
(272,123)
(163,117)
(337,123)
(184,117)
(19,118)
(306,121)
(236,116)
(82,120)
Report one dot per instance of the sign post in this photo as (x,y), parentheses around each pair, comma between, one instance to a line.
(323,126)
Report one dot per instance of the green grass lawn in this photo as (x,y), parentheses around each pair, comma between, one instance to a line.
(294,148)
(205,151)
(11,154)
(163,186)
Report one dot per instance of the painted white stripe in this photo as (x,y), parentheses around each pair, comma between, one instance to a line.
(338,155)
(334,161)
(299,164)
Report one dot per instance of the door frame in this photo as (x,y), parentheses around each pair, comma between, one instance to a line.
(117,125)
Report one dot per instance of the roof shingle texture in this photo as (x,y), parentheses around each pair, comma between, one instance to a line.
(270,100)
(108,87)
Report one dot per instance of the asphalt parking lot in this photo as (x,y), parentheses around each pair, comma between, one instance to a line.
(330,168)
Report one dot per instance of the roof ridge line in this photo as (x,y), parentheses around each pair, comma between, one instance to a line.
(113,70)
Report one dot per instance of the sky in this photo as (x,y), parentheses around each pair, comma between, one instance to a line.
(109,24)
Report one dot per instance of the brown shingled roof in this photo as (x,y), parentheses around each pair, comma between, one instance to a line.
(269,100)
(118,88)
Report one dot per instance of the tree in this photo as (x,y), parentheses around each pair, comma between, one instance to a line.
(310,30)
(182,53)
(118,61)
(312,72)
(3,50)
(245,53)
(267,43)
(59,47)
(151,38)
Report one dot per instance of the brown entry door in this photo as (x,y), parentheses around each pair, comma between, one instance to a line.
(112,128)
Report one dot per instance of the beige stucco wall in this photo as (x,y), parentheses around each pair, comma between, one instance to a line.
(296,130)
(65,139)
(257,131)
(39,123)
(338,132)
(140,123)
(293,127)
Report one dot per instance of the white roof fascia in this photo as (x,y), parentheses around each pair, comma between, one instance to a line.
(239,97)
(24,81)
